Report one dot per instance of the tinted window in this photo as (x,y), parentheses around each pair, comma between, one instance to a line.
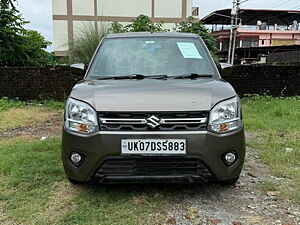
(151,56)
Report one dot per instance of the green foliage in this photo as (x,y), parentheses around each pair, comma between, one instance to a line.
(141,24)
(116,27)
(18,46)
(144,24)
(33,49)
(194,26)
(6,104)
(85,44)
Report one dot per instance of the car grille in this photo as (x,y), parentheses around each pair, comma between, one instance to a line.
(153,166)
(152,121)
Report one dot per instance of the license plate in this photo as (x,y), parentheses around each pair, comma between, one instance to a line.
(153,146)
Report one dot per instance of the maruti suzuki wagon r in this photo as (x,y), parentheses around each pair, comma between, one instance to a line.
(153,107)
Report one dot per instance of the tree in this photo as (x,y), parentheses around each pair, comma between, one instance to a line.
(141,24)
(18,46)
(197,27)
(34,45)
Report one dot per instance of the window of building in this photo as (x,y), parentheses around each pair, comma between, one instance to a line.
(249,42)
(195,11)
(225,44)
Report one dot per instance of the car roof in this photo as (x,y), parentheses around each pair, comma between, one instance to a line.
(154,34)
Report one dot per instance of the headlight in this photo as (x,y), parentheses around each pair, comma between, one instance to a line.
(80,117)
(225,116)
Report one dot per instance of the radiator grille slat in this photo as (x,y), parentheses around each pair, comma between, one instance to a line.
(153,121)
(153,166)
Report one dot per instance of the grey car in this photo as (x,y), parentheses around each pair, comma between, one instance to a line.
(153,107)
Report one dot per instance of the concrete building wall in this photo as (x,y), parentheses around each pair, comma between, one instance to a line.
(60,32)
(161,9)
(128,8)
(70,16)
(59,7)
(83,8)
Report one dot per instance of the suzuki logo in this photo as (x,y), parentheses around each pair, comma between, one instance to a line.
(153,122)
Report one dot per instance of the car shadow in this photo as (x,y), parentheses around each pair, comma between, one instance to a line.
(166,189)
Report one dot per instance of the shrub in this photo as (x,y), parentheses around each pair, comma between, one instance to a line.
(85,43)
(141,24)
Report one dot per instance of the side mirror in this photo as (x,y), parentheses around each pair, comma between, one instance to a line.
(79,66)
(222,66)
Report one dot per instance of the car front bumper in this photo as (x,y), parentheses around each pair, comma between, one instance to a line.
(203,147)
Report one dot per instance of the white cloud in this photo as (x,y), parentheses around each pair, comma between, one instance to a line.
(39,13)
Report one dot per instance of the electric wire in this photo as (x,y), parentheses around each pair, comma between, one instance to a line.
(273,7)
(294,8)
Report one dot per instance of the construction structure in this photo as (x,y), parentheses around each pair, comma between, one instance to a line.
(250,35)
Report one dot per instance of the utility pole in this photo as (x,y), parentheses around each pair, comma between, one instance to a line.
(235,30)
(233,33)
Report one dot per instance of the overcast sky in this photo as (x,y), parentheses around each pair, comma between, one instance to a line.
(39,12)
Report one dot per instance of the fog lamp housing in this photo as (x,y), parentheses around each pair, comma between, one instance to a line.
(76,158)
(230,158)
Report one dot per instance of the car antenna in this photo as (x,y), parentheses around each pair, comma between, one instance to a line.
(151,28)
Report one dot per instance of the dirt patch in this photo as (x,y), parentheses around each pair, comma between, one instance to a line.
(252,136)
(60,202)
(4,219)
(18,117)
(243,203)
(49,125)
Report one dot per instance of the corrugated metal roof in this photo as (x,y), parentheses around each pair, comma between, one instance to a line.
(251,16)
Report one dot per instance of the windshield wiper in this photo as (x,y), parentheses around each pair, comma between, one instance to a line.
(132,76)
(192,76)
(157,77)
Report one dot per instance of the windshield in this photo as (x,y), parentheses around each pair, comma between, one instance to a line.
(150,56)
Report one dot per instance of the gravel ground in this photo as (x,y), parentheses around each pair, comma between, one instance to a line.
(235,205)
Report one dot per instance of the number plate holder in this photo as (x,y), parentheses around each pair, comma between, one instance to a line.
(153,147)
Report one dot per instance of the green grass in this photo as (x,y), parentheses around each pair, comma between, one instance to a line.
(6,104)
(267,113)
(34,189)
(276,125)
(118,205)
(28,173)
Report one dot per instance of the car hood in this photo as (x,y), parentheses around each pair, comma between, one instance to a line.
(153,95)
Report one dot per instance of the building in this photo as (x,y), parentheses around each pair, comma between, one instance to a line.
(69,16)
(260,32)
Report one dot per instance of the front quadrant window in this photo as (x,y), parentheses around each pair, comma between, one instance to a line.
(151,56)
